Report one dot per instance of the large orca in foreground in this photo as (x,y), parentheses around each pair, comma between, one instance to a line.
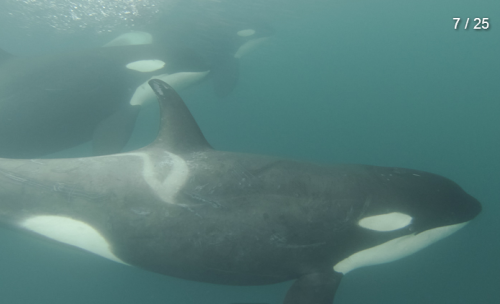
(180,208)
(54,102)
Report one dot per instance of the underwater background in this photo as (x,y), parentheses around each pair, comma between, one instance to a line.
(383,82)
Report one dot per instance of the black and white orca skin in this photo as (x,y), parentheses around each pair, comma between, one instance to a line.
(222,43)
(54,102)
(240,42)
(180,208)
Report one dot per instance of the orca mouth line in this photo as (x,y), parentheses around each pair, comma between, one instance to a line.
(396,249)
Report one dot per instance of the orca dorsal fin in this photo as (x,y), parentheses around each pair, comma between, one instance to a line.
(179,132)
(4,56)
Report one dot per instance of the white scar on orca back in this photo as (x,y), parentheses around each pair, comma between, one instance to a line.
(395,249)
(386,222)
(168,188)
(72,232)
(145,66)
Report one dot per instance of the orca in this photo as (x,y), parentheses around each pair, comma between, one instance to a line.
(180,208)
(240,41)
(222,43)
(54,102)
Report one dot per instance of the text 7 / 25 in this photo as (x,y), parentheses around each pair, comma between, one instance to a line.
(481,24)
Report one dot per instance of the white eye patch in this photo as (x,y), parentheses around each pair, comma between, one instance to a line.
(146,65)
(132,38)
(386,222)
(246,33)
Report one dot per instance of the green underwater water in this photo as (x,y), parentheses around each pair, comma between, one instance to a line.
(375,82)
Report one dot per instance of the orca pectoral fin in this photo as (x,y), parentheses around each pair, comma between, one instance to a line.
(314,288)
(113,133)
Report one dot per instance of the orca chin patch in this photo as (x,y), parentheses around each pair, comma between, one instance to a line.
(395,249)
(72,232)
(249,46)
(386,222)
(179,81)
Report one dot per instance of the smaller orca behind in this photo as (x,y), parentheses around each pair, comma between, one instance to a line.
(239,43)
(180,208)
(221,43)
(55,102)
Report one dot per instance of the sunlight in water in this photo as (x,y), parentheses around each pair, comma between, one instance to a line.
(98,15)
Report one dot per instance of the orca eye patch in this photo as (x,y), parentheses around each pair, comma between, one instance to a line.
(145,66)
(246,33)
(386,222)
